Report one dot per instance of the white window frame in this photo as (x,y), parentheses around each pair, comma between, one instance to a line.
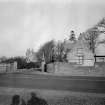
(80,60)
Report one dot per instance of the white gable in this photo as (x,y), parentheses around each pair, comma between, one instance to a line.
(101,37)
(100,50)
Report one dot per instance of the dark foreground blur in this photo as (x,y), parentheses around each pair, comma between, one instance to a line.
(34,100)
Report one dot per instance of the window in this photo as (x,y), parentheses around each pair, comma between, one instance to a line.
(79,51)
(80,60)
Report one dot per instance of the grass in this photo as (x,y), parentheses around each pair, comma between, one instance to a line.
(72,100)
(53,97)
(68,100)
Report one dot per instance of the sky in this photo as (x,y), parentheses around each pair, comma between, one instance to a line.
(30,23)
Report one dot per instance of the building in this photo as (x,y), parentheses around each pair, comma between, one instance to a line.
(100,48)
(79,53)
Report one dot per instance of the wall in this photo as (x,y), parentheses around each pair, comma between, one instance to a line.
(82,57)
(61,68)
(8,67)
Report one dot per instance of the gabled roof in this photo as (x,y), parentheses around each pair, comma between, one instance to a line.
(68,44)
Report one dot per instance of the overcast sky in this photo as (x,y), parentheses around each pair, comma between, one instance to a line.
(30,23)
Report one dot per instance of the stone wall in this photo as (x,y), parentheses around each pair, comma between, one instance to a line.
(8,67)
(60,67)
(69,69)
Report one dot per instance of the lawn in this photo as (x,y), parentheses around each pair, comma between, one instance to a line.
(52,97)
(67,100)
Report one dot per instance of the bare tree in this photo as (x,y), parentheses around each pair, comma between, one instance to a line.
(47,51)
(91,34)
(60,51)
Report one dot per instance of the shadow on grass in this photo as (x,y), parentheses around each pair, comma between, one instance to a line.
(15,100)
(34,100)
(72,100)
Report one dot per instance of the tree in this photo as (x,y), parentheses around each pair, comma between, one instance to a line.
(21,61)
(60,51)
(31,56)
(47,50)
(3,58)
(91,34)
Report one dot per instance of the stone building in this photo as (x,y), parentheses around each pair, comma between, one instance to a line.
(100,42)
(100,48)
(79,53)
